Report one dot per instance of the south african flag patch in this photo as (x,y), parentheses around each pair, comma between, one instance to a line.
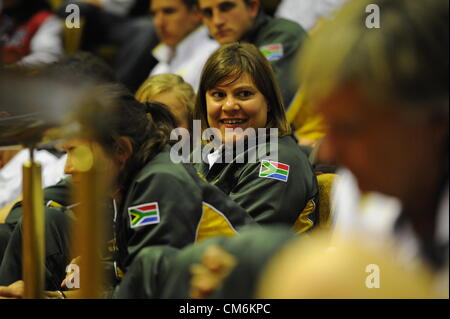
(274,170)
(145,214)
(272,52)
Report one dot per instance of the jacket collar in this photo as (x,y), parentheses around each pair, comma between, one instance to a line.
(260,20)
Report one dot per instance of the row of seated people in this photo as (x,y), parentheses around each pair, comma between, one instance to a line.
(387,149)
(34,34)
(187,31)
(188,203)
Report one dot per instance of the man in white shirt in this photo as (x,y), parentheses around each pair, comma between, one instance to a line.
(185,45)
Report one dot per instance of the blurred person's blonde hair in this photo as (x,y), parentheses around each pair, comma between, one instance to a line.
(309,268)
(403,63)
(162,83)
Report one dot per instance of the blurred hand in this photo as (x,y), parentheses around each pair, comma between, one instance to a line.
(13,291)
(209,275)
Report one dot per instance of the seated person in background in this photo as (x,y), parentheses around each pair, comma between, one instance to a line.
(29,33)
(11,166)
(245,21)
(387,122)
(171,90)
(307,123)
(158,202)
(238,92)
(185,44)
(126,26)
(11,162)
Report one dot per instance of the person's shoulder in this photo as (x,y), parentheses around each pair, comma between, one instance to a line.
(287,151)
(198,43)
(60,192)
(284,26)
(201,35)
(164,171)
(279,34)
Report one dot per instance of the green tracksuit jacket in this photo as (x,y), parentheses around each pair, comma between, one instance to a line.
(258,187)
(280,41)
(169,204)
(58,220)
(165,272)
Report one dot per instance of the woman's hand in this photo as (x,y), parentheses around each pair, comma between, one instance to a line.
(13,291)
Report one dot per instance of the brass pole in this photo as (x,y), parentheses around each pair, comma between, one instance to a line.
(33,238)
(89,229)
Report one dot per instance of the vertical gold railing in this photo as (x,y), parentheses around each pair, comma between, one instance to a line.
(33,242)
(88,234)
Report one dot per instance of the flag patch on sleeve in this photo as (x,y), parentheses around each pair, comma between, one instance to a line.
(272,52)
(274,170)
(145,214)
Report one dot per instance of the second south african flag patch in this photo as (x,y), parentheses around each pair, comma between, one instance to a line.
(272,52)
(145,214)
(274,170)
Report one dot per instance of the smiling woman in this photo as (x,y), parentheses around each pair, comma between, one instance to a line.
(238,92)
(236,104)
(240,72)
